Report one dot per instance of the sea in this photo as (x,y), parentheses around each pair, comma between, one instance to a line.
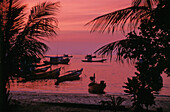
(113,72)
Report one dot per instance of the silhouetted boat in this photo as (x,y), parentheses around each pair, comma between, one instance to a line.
(57,60)
(42,69)
(60,56)
(39,65)
(32,69)
(96,88)
(52,74)
(70,76)
(91,60)
(66,55)
(63,61)
(89,56)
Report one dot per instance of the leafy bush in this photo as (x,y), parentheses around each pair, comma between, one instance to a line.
(113,102)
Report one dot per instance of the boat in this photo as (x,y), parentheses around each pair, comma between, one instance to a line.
(41,69)
(39,65)
(96,88)
(69,76)
(52,74)
(91,60)
(32,69)
(54,60)
(89,56)
(66,55)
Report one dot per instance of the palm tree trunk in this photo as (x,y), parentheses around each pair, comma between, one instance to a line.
(3,101)
(3,90)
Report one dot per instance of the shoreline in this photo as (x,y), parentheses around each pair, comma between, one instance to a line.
(81,94)
(58,100)
(61,97)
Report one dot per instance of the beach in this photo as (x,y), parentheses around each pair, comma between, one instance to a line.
(72,102)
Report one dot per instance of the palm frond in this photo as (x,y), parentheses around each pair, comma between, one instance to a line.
(35,47)
(129,48)
(41,22)
(29,47)
(117,19)
(110,48)
(43,10)
(13,17)
(140,9)
(24,37)
(17,19)
(146,3)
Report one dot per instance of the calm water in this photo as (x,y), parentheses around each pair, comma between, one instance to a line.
(113,73)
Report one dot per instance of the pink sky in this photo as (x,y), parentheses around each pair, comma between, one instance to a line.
(75,38)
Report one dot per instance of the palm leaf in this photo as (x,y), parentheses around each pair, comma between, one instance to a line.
(119,100)
(146,3)
(41,21)
(12,18)
(109,49)
(130,48)
(117,19)
(140,9)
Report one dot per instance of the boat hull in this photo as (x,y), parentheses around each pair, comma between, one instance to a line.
(74,75)
(42,69)
(96,88)
(64,61)
(53,74)
(69,78)
(102,60)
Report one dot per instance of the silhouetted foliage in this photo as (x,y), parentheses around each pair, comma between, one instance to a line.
(114,102)
(20,36)
(139,9)
(140,93)
(149,48)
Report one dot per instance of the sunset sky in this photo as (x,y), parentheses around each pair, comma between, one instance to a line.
(75,38)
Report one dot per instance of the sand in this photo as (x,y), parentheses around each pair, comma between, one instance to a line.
(70,102)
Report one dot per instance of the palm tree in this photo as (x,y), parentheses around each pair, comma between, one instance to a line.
(22,37)
(150,10)
(1,65)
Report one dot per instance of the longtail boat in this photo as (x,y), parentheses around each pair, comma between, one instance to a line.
(69,76)
(96,88)
(52,74)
